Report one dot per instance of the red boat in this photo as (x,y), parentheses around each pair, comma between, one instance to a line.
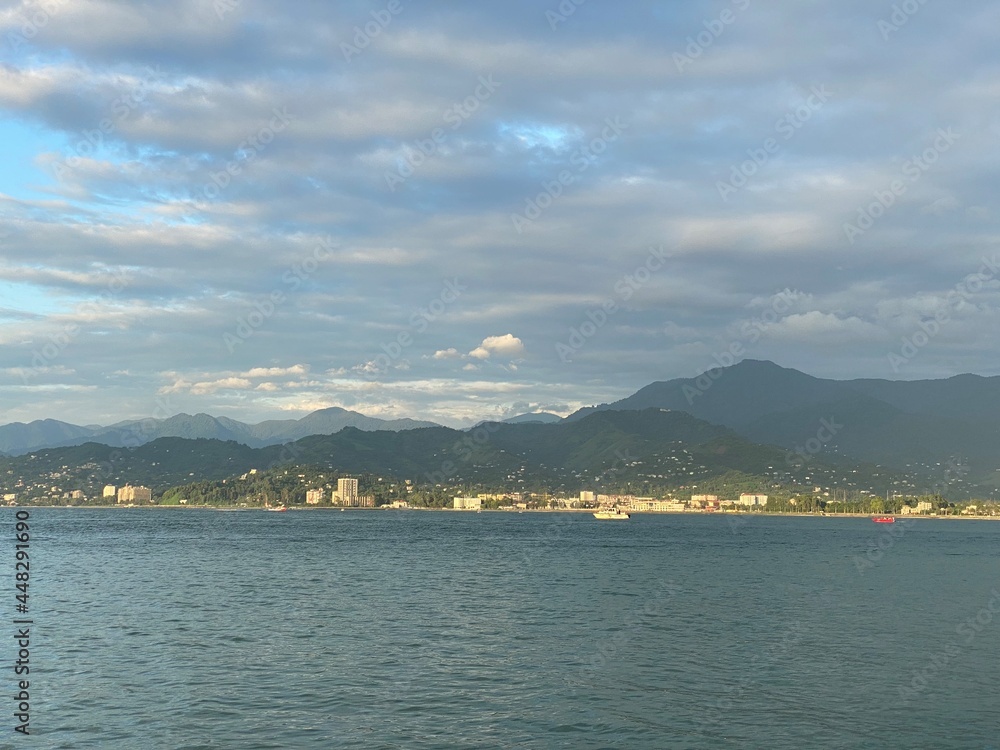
(883,519)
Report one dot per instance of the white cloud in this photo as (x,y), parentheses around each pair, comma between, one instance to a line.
(507,345)
(273,372)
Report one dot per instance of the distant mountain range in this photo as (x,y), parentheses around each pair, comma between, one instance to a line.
(538,417)
(635,451)
(19,438)
(947,431)
(949,426)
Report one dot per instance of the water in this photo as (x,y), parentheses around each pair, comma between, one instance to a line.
(407,629)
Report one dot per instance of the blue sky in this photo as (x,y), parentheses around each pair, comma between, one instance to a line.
(462,211)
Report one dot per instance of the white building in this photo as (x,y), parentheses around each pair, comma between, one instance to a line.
(468,503)
(110,491)
(750,500)
(587,497)
(315,497)
(347,492)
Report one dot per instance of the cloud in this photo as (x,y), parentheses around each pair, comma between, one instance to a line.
(272,372)
(507,345)
(198,194)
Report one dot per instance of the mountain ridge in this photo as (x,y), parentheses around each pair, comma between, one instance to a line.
(18,438)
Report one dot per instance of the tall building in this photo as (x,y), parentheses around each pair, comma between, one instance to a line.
(130,494)
(110,490)
(347,492)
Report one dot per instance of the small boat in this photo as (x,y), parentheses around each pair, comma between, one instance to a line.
(277,509)
(611,513)
(884,519)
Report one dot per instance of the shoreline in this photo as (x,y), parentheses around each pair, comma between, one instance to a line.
(728,514)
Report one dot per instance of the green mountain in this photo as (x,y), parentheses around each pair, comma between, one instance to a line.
(944,429)
(642,452)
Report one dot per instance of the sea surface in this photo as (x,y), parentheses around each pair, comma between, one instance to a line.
(156,628)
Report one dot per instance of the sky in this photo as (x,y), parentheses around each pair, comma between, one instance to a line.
(458,211)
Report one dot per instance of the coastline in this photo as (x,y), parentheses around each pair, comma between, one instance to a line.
(585,511)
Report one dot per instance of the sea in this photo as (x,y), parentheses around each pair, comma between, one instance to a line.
(191,628)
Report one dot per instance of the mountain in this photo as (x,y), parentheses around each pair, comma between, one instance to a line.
(542,417)
(935,424)
(636,451)
(18,438)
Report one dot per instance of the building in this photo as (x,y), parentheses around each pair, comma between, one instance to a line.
(10,497)
(750,500)
(76,495)
(650,505)
(347,495)
(468,503)
(110,491)
(130,494)
(587,498)
(315,497)
(925,506)
(347,492)
(702,500)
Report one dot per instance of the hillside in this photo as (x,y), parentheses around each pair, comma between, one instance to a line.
(641,452)
(921,426)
